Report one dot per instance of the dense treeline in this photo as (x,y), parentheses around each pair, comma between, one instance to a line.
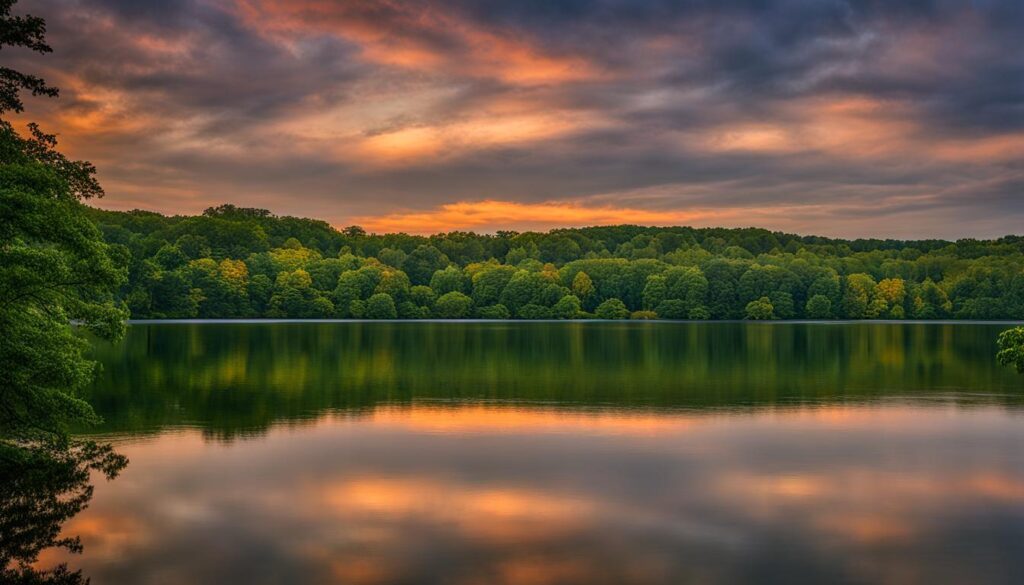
(238,262)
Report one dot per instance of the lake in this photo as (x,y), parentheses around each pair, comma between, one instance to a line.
(533,453)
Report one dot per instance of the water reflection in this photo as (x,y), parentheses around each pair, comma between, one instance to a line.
(40,489)
(899,493)
(239,379)
(523,453)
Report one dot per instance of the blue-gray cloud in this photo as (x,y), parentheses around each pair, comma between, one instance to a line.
(894,118)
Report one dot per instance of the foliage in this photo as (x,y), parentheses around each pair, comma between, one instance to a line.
(21,31)
(760,309)
(453,305)
(381,306)
(55,270)
(56,273)
(568,307)
(498,311)
(534,311)
(448,279)
(1011,348)
(819,307)
(676,272)
(612,309)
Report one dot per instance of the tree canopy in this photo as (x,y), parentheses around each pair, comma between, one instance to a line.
(55,268)
(229,261)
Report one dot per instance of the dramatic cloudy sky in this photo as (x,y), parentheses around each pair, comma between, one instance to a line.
(835,117)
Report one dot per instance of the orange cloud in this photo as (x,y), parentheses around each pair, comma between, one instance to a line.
(494,419)
(854,128)
(848,127)
(494,514)
(492,214)
(416,143)
(415,36)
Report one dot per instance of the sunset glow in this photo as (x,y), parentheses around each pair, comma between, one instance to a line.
(491,215)
(430,116)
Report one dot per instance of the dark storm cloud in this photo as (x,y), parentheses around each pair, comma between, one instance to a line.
(890,117)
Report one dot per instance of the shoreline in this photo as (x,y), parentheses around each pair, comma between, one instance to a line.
(257,321)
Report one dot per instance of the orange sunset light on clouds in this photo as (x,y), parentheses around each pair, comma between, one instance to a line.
(489,215)
(840,119)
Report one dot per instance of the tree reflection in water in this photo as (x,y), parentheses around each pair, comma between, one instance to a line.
(40,489)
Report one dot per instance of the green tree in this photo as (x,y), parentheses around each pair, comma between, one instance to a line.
(55,268)
(357,309)
(783,304)
(761,281)
(325,272)
(1011,348)
(410,310)
(392,257)
(260,289)
(672,309)
(687,284)
(887,299)
(827,285)
(558,249)
(819,307)
(655,291)
(354,285)
(930,301)
(723,283)
(534,311)
(423,262)
(381,306)
(583,287)
(498,311)
(489,284)
(568,307)
(760,309)
(172,297)
(857,295)
(292,256)
(170,257)
(453,305)
(699,314)
(28,32)
(422,296)
(222,286)
(395,283)
(519,254)
(295,297)
(526,288)
(448,279)
(612,309)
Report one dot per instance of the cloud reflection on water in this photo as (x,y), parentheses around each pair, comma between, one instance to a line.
(900,493)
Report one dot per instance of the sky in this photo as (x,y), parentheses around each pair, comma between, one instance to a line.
(849,118)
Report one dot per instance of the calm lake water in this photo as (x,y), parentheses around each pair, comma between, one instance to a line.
(533,453)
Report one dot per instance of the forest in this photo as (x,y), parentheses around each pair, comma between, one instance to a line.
(234,262)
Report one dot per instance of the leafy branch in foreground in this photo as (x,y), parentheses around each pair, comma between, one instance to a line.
(55,272)
(21,31)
